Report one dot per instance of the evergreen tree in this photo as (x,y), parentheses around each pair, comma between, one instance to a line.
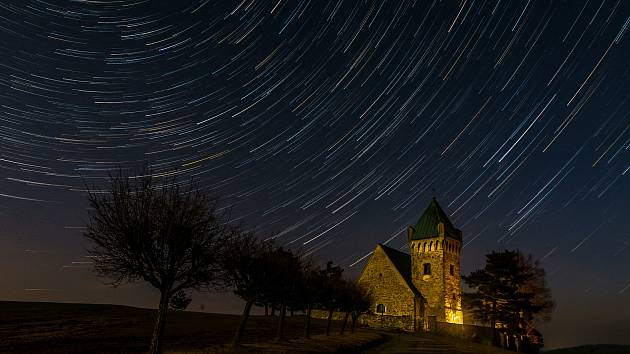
(510,292)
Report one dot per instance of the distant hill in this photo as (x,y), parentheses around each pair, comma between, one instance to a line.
(597,348)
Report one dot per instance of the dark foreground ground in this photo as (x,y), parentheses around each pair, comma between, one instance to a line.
(38,327)
(595,349)
(35,327)
(429,343)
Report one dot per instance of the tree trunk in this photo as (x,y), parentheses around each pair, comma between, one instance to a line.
(345,321)
(283,314)
(241,327)
(493,324)
(354,322)
(158,328)
(307,322)
(330,313)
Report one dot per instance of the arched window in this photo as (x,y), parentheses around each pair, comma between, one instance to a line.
(380,308)
(430,245)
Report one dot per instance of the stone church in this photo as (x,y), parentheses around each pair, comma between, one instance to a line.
(421,289)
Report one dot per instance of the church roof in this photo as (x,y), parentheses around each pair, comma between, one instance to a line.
(402,263)
(427,225)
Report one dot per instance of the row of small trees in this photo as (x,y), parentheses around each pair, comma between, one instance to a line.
(262,274)
(175,237)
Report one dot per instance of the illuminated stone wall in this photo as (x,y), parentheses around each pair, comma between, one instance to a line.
(404,322)
(452,283)
(441,290)
(430,286)
(386,286)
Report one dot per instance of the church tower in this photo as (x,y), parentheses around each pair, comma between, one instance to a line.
(435,246)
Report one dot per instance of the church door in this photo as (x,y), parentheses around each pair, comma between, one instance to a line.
(418,315)
(432,325)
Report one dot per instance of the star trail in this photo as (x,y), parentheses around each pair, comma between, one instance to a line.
(329,125)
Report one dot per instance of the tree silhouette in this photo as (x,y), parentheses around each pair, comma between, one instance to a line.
(345,296)
(287,268)
(310,292)
(361,300)
(332,290)
(249,265)
(179,301)
(156,230)
(510,292)
(354,300)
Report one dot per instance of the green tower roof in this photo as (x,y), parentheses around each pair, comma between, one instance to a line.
(427,225)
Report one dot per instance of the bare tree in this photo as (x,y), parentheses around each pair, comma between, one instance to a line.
(310,292)
(248,264)
(332,287)
(346,297)
(156,230)
(356,301)
(287,267)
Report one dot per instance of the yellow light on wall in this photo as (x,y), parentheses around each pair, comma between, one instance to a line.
(454,316)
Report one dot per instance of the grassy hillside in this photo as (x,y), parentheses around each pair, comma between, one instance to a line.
(596,349)
(37,327)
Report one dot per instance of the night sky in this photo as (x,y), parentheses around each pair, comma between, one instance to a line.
(330,124)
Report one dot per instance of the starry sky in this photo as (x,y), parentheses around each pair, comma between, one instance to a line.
(329,124)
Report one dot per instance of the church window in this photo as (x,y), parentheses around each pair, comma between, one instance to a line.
(380,308)
(430,245)
(452,270)
(426,269)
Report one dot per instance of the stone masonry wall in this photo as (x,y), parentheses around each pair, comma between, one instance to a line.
(452,283)
(387,286)
(372,320)
(431,286)
(441,290)
(384,321)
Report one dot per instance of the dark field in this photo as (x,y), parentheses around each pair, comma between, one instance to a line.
(38,327)
(595,349)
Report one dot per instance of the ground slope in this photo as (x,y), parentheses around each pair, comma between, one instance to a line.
(37,327)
